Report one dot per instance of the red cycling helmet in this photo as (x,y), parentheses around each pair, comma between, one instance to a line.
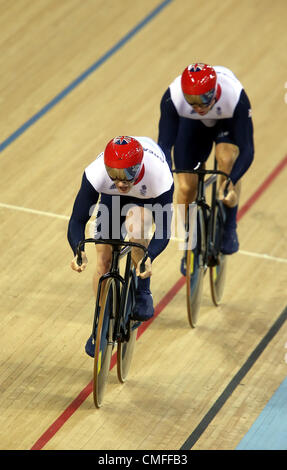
(123,153)
(199,80)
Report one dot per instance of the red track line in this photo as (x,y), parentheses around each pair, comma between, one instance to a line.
(70,410)
(60,421)
(270,178)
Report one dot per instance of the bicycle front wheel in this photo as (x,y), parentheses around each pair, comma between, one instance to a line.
(195,270)
(126,345)
(104,340)
(217,273)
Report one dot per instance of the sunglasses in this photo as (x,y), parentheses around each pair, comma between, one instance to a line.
(124,174)
(201,101)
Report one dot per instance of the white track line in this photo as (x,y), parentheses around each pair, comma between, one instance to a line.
(246,253)
(263,256)
(34,211)
(65,217)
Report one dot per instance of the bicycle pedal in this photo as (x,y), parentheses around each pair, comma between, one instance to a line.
(212,261)
(135,324)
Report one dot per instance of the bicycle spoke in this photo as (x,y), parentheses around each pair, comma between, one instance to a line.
(217,273)
(104,342)
(195,271)
(126,346)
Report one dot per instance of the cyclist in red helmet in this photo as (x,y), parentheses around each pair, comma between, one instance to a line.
(123,161)
(134,182)
(199,86)
(202,107)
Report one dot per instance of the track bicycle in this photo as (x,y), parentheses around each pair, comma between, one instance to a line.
(113,324)
(206,253)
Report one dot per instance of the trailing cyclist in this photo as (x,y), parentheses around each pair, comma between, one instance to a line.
(203,106)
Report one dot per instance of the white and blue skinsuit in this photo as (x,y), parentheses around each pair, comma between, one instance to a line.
(153,186)
(192,135)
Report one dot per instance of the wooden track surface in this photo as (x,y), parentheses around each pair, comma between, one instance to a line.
(46,309)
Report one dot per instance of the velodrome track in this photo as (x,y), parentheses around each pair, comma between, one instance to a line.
(76,74)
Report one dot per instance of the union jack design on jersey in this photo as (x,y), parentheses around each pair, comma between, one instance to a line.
(122,140)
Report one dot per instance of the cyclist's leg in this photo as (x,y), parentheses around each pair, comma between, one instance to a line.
(103,229)
(104,258)
(108,225)
(229,132)
(139,228)
(226,153)
(193,144)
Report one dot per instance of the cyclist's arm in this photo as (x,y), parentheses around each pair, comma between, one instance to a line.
(86,198)
(162,231)
(168,125)
(243,133)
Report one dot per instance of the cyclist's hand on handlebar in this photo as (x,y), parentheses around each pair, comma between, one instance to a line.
(76,267)
(230,199)
(147,271)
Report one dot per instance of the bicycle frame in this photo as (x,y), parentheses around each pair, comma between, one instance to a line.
(206,254)
(210,258)
(120,249)
(112,318)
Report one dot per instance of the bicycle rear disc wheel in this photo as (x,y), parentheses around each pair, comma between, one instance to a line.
(195,271)
(217,273)
(126,348)
(104,341)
